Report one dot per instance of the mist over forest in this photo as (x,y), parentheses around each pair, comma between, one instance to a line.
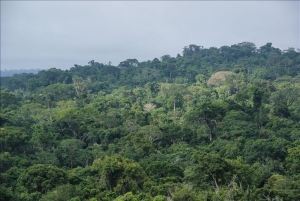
(209,124)
(8,73)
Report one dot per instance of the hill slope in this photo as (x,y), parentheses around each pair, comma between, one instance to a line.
(210,124)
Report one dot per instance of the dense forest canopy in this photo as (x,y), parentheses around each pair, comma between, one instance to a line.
(209,124)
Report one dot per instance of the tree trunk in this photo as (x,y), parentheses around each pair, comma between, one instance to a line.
(174,107)
(216,183)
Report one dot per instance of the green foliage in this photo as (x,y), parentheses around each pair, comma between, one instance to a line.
(292,160)
(41,178)
(237,124)
(211,168)
(13,139)
(119,174)
(9,100)
(209,113)
(158,171)
(70,153)
(62,193)
(210,124)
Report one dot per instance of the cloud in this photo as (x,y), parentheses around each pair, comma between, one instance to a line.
(36,34)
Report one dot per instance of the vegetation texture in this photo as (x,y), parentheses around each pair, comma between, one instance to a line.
(210,124)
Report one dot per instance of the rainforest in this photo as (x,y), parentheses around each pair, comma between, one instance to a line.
(210,124)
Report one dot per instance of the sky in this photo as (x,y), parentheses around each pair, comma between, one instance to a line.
(59,34)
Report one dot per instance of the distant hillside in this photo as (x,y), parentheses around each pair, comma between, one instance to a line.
(7,73)
(210,124)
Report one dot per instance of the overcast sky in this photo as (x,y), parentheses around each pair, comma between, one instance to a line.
(46,34)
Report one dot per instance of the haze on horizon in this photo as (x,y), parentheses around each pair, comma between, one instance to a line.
(46,34)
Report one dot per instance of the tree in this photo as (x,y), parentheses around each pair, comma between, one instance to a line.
(119,174)
(81,86)
(50,76)
(293,160)
(281,110)
(211,167)
(286,94)
(32,84)
(208,113)
(171,67)
(160,170)
(237,124)
(9,100)
(166,58)
(262,150)
(51,94)
(152,88)
(41,178)
(219,78)
(129,63)
(92,62)
(155,63)
(184,193)
(267,49)
(13,140)
(191,50)
(63,193)
(72,122)
(201,79)
(71,154)
(257,98)
(149,106)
